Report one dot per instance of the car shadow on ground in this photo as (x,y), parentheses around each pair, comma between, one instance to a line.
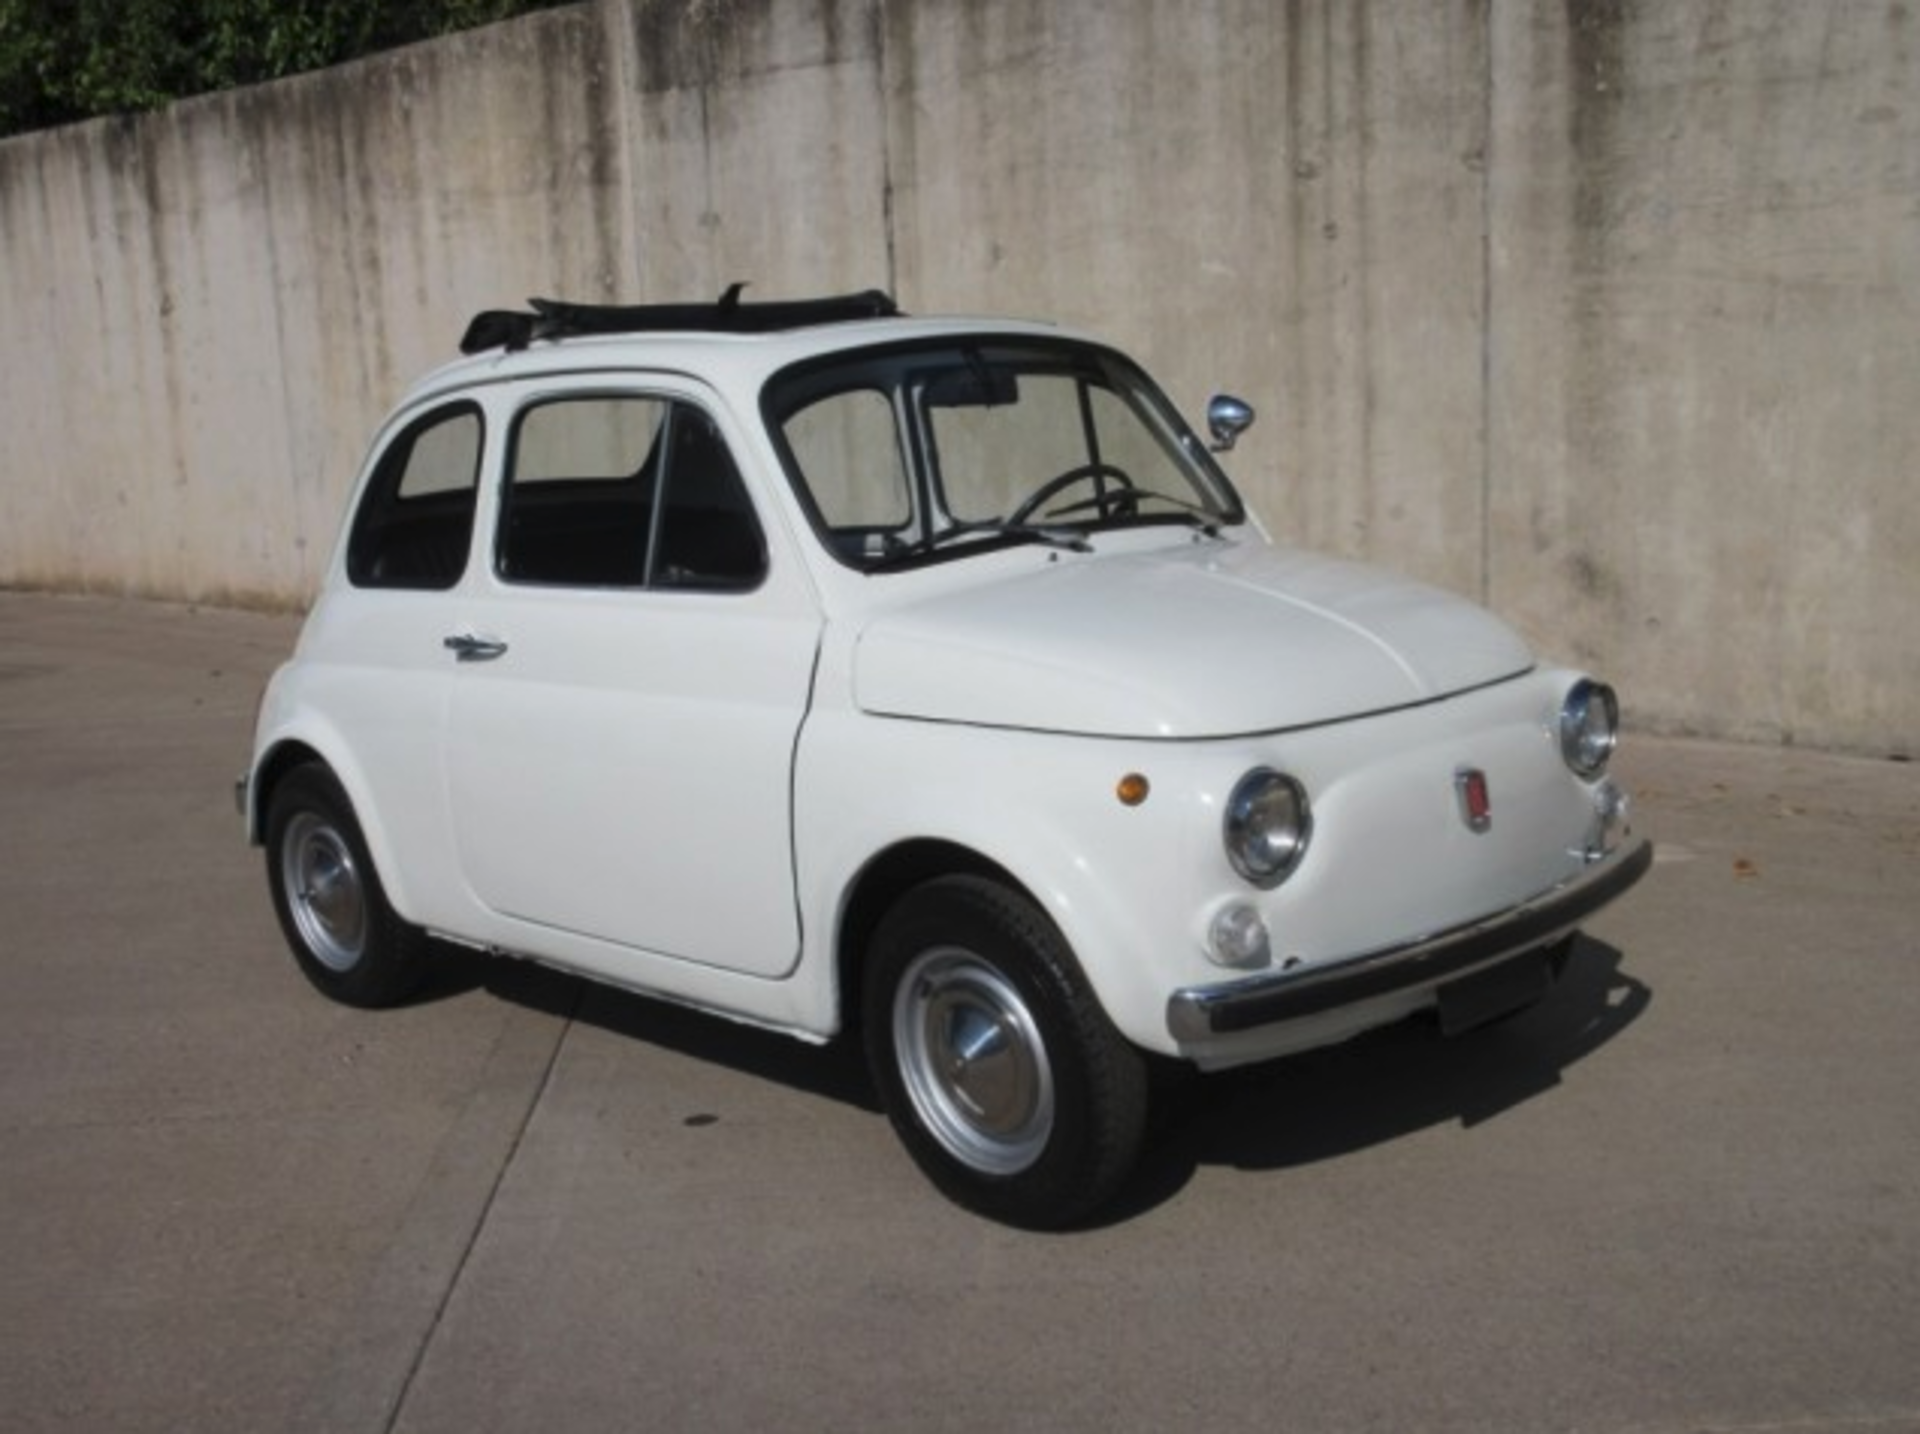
(1282,1114)
(836,1070)
(1379,1087)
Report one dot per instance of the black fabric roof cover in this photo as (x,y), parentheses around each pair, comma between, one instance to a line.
(555,319)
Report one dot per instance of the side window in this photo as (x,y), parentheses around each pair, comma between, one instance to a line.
(415,522)
(627,492)
(578,504)
(708,537)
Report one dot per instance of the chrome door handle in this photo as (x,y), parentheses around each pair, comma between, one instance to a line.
(466,647)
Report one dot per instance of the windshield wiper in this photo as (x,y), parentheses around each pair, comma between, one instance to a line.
(1204,519)
(987,527)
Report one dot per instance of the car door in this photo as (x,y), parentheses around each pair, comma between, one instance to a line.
(629,683)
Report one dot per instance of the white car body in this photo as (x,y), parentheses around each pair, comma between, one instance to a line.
(708,796)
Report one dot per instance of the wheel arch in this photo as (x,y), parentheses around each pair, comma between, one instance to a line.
(268,773)
(293,750)
(882,882)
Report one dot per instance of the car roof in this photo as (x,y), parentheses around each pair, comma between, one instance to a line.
(723,359)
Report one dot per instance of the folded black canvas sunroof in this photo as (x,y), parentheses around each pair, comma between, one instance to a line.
(556,319)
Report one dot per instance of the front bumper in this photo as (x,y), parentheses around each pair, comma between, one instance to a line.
(1201,1013)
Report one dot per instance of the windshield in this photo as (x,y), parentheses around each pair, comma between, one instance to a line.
(917,453)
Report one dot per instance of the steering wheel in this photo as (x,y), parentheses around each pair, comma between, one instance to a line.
(1079,473)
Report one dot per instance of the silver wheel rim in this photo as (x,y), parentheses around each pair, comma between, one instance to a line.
(324,891)
(973,1061)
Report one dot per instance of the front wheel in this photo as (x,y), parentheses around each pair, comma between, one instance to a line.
(1000,1072)
(348,941)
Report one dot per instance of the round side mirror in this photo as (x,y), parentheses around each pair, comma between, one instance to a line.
(1227,418)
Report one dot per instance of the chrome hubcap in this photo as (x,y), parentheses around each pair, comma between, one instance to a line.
(324,891)
(973,1061)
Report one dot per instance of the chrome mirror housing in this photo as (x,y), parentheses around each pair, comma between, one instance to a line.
(1227,418)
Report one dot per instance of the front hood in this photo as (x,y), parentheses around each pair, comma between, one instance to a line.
(1203,640)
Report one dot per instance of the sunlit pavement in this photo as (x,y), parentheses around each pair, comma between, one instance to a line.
(1681,1195)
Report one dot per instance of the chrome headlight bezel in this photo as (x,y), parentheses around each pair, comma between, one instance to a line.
(1589,728)
(1266,826)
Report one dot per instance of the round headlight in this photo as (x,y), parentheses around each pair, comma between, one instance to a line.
(1589,727)
(1266,826)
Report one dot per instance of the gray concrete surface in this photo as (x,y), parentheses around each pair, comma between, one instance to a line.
(1604,312)
(1684,1195)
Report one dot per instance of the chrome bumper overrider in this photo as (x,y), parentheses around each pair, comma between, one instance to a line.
(1197,1013)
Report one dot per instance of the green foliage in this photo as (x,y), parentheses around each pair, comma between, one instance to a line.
(63,60)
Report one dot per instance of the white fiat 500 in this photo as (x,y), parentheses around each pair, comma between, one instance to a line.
(833,670)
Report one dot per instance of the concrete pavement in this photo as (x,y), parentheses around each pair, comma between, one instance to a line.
(1683,1195)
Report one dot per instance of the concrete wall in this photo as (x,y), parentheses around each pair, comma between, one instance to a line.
(1601,311)
(1704,376)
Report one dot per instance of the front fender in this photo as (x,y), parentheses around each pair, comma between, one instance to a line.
(1122,882)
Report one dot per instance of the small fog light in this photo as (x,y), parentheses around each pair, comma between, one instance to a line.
(1237,936)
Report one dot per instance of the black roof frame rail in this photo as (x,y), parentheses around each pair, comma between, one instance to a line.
(555,319)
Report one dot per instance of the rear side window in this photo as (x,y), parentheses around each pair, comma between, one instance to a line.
(415,522)
(626,491)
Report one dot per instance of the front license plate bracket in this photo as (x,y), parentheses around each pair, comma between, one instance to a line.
(1500,990)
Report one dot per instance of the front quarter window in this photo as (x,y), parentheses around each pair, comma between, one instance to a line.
(848,444)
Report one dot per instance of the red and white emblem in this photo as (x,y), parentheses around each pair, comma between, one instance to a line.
(1476,803)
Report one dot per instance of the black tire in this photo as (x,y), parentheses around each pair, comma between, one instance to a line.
(1001,1074)
(347,939)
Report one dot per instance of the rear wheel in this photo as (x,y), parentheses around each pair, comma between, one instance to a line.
(347,939)
(997,1066)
